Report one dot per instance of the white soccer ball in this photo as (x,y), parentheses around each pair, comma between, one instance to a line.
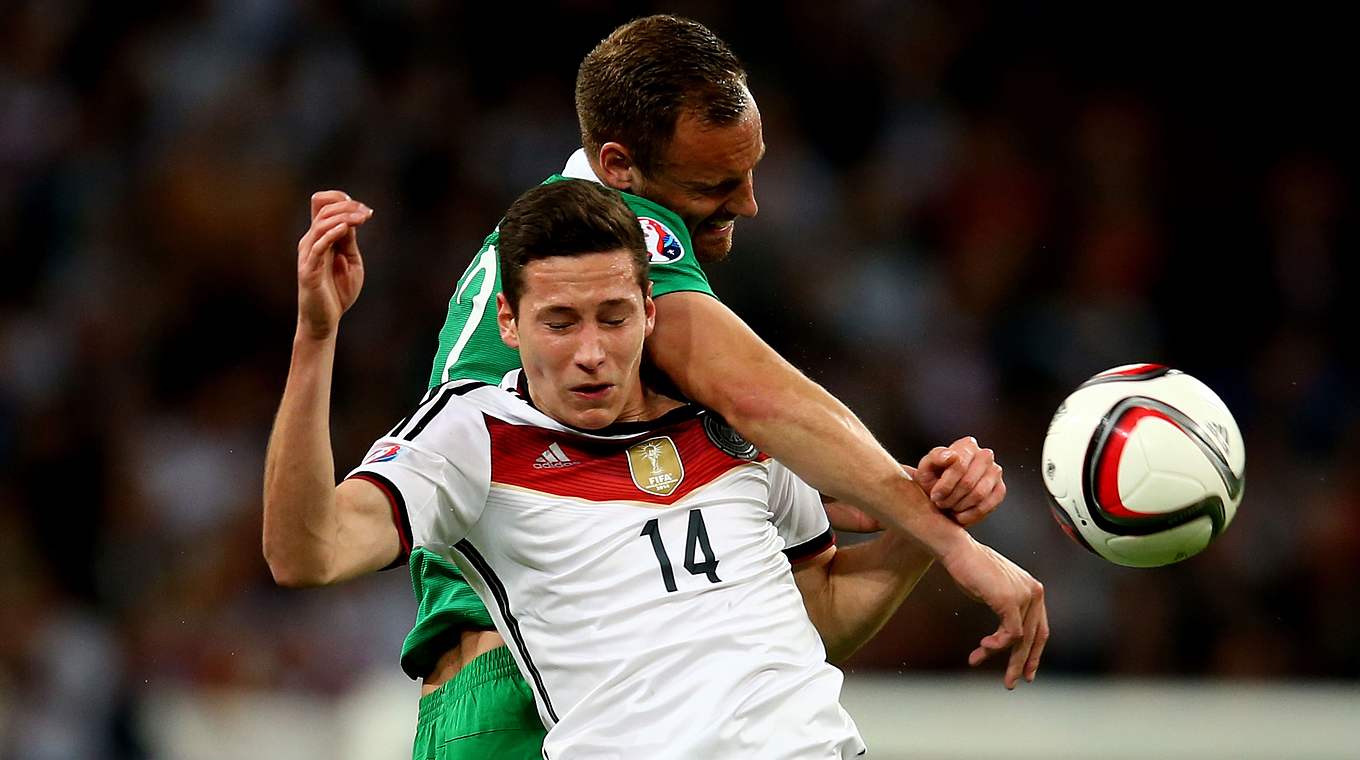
(1144,465)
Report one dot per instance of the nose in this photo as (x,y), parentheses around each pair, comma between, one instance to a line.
(743,200)
(590,354)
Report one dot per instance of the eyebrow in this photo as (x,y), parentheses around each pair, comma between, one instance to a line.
(563,309)
(555,311)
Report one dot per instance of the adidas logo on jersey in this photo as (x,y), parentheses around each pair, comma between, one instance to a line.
(553,457)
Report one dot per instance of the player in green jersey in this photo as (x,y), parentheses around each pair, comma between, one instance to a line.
(667,118)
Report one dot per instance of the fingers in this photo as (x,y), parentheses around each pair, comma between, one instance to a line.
(1024,661)
(321,199)
(1005,635)
(355,210)
(349,212)
(942,493)
(1018,600)
(937,460)
(1040,639)
(314,260)
(1015,666)
(985,504)
(976,464)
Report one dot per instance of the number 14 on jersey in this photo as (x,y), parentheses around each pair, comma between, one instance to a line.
(696,543)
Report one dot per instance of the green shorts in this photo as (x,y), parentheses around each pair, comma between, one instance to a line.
(485,711)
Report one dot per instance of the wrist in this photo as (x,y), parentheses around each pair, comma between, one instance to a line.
(920,520)
(312,351)
(309,333)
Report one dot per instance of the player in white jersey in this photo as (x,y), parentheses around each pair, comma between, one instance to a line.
(638,572)
(624,649)
(666,116)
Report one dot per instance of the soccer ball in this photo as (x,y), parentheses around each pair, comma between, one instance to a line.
(1143,465)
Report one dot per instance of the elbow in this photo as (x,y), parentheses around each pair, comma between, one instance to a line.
(290,576)
(290,568)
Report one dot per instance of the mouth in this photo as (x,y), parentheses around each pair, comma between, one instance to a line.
(591,391)
(717,228)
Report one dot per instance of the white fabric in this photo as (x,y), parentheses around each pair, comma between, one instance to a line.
(621,667)
(578,167)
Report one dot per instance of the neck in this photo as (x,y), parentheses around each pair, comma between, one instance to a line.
(654,404)
(648,405)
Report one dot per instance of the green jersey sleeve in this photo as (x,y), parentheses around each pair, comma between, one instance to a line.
(673,266)
(470,344)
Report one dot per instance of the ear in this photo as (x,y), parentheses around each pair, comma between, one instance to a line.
(649,310)
(616,167)
(505,319)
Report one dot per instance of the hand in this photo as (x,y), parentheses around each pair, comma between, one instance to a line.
(962,480)
(1015,596)
(330,270)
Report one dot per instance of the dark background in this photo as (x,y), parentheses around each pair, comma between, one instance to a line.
(966,209)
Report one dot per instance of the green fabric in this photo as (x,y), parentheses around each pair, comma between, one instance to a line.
(485,711)
(470,335)
(446,604)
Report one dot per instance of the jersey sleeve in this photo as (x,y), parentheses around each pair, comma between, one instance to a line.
(673,266)
(798,515)
(435,469)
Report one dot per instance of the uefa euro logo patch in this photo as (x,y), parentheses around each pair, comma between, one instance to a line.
(385,454)
(663,245)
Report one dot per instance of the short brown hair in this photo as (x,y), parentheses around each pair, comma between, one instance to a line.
(567,218)
(634,85)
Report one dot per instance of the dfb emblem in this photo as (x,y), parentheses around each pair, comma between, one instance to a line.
(728,440)
(663,246)
(655,466)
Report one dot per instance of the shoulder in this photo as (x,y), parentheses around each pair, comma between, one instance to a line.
(665,234)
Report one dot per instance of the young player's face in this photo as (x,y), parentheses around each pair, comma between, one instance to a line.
(580,328)
(705,176)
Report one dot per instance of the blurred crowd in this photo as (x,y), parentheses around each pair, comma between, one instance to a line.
(966,209)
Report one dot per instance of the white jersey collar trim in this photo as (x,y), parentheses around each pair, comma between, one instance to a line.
(578,167)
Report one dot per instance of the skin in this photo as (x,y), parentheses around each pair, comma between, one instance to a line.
(714,358)
(705,175)
(579,328)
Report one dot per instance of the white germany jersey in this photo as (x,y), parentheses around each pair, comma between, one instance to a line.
(640,574)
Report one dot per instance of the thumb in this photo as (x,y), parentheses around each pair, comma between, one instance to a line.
(936,462)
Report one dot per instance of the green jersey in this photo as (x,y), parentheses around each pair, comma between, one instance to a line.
(470,347)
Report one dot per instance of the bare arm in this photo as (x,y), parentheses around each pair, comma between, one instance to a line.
(314,532)
(851,592)
(715,359)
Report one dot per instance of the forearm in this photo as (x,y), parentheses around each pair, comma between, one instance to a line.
(718,361)
(852,596)
(799,423)
(300,521)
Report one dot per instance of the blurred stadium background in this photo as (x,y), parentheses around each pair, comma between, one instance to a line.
(966,209)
